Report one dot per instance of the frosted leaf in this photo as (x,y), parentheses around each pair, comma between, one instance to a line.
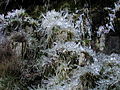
(100,30)
(117,6)
(54,18)
(15,13)
(2,17)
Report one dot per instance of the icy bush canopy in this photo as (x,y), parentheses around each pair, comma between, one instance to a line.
(53,18)
(57,22)
(62,27)
(104,66)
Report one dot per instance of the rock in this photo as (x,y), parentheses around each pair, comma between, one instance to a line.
(112,44)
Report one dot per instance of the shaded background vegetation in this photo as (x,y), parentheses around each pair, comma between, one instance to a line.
(8,5)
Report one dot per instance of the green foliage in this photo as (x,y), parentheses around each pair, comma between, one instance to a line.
(11,83)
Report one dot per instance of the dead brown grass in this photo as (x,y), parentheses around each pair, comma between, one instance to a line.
(9,63)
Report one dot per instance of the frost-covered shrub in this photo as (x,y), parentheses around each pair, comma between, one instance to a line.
(61,26)
(56,52)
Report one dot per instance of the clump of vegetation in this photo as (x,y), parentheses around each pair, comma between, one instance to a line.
(89,80)
(52,51)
